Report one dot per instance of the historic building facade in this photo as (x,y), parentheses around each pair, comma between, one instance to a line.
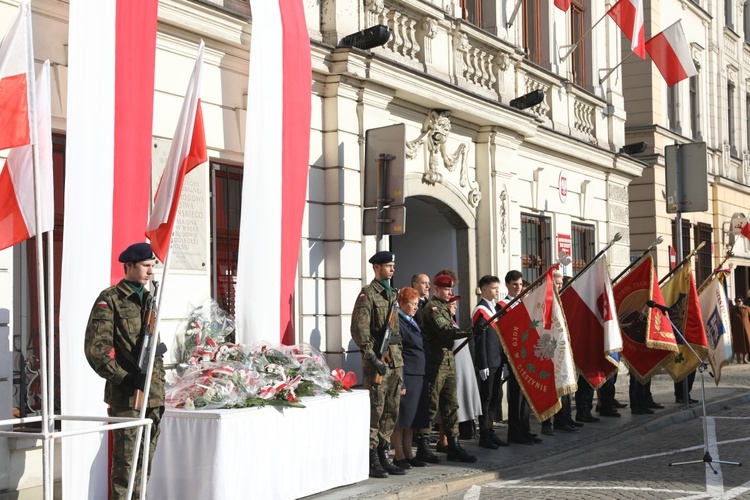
(712,107)
(489,187)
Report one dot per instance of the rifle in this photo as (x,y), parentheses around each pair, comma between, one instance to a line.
(385,354)
(145,343)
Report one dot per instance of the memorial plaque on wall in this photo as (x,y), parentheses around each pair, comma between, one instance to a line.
(189,241)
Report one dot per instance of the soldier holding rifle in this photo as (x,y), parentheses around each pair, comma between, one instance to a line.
(113,340)
(375,330)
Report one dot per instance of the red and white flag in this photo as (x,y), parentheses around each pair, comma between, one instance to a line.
(188,150)
(563,5)
(628,15)
(589,306)
(534,335)
(274,186)
(17,206)
(745,228)
(671,53)
(109,144)
(16,80)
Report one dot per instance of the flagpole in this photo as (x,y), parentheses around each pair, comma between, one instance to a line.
(601,80)
(574,46)
(682,262)
(636,261)
(711,278)
(617,237)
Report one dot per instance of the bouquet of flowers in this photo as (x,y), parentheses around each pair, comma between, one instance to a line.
(220,374)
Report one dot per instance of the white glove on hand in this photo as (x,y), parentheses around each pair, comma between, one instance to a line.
(506,373)
(483,374)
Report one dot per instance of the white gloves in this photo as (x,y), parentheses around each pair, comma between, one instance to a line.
(483,374)
(506,373)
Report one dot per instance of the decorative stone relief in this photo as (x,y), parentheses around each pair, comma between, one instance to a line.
(745,167)
(726,156)
(435,132)
(504,217)
(619,213)
(430,27)
(618,193)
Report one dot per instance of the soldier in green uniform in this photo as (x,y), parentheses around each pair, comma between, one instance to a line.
(440,332)
(370,318)
(110,346)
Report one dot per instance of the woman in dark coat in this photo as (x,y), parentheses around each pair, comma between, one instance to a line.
(413,411)
(740,318)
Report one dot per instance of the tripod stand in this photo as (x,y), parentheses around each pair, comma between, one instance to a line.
(702,368)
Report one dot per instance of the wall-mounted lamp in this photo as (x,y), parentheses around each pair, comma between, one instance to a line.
(367,39)
(634,149)
(528,100)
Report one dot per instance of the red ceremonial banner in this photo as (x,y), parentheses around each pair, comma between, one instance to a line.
(647,337)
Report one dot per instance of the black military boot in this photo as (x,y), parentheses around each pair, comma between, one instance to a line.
(424,453)
(386,463)
(458,454)
(376,470)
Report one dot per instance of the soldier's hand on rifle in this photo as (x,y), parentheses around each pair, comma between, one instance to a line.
(135,380)
(378,365)
(483,374)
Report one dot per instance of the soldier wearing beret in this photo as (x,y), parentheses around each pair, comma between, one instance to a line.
(110,347)
(370,318)
(440,333)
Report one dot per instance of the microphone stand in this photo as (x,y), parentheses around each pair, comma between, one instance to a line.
(703,367)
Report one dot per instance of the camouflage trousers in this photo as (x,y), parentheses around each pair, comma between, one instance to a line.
(444,397)
(122,452)
(384,402)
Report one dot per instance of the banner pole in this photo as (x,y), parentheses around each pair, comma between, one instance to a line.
(617,237)
(636,261)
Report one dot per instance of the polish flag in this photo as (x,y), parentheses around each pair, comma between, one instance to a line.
(563,5)
(535,337)
(111,55)
(274,185)
(671,53)
(745,228)
(16,77)
(589,306)
(187,152)
(17,214)
(628,15)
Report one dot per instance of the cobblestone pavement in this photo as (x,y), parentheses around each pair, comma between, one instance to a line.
(617,458)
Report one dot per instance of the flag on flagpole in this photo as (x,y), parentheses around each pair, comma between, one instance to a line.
(16,80)
(274,186)
(109,144)
(563,5)
(534,334)
(589,307)
(628,15)
(671,53)
(745,228)
(17,206)
(681,296)
(715,312)
(188,150)
(647,337)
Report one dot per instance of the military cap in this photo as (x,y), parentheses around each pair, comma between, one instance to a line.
(136,253)
(454,298)
(383,257)
(443,281)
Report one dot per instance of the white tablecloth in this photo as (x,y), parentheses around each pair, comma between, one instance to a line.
(266,452)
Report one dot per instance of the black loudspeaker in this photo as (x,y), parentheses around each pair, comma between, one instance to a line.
(367,39)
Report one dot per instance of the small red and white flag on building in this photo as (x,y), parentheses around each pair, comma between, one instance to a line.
(671,53)
(745,228)
(188,150)
(17,206)
(628,15)
(563,5)
(589,306)
(535,337)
